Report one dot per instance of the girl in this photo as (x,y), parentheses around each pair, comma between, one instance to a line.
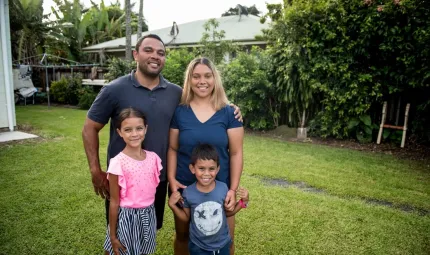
(133,178)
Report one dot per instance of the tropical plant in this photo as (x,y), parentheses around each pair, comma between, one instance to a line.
(27,29)
(213,44)
(140,19)
(128,32)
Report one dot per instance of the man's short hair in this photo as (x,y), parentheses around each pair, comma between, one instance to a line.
(154,36)
(204,151)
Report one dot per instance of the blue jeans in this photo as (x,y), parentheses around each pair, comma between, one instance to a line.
(195,250)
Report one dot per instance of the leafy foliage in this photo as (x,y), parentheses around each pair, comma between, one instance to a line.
(177,61)
(119,67)
(247,84)
(86,97)
(235,11)
(66,90)
(354,53)
(214,46)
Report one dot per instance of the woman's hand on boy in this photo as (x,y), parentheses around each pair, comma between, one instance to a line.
(230,201)
(117,246)
(175,185)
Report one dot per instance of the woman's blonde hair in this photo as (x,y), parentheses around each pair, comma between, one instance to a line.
(218,97)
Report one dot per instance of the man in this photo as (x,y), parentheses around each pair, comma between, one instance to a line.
(146,90)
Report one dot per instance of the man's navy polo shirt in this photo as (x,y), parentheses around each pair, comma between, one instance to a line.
(157,104)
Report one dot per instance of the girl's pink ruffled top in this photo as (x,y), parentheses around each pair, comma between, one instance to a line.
(138,179)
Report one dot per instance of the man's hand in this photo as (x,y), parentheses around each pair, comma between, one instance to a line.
(230,200)
(237,112)
(100,183)
(116,246)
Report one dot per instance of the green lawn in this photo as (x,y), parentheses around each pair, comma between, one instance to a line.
(47,205)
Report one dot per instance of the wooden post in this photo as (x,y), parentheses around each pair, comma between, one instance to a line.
(405,126)
(381,127)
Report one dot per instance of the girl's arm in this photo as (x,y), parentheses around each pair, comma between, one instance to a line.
(235,140)
(172,159)
(182,213)
(113,213)
(113,205)
(244,195)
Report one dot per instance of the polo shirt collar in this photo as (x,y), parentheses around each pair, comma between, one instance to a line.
(162,84)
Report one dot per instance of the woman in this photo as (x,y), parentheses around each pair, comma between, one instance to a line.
(204,116)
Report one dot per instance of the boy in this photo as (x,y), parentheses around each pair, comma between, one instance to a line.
(203,202)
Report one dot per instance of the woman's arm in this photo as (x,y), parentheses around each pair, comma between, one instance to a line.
(172,160)
(235,140)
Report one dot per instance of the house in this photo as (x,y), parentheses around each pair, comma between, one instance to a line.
(7,109)
(239,29)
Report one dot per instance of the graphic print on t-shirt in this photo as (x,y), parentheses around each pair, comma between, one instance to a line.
(208,217)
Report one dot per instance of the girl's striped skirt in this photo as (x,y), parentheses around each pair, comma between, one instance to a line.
(136,230)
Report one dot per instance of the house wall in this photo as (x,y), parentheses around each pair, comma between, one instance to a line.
(4,106)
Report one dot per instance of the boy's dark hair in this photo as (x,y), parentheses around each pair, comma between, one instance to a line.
(129,113)
(140,40)
(204,151)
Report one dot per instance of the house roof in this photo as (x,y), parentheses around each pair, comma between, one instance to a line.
(239,29)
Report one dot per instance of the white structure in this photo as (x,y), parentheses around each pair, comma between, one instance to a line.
(239,29)
(7,104)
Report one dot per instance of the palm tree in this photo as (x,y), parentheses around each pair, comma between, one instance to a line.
(140,20)
(27,27)
(128,30)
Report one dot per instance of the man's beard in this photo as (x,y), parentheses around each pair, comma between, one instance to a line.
(145,71)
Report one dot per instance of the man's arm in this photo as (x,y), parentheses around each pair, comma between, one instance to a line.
(90,137)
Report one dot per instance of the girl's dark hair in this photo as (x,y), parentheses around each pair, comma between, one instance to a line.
(204,151)
(129,113)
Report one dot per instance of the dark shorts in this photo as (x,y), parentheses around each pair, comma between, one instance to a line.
(195,250)
(159,204)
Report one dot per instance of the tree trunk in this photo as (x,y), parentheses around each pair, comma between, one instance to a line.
(140,20)
(128,55)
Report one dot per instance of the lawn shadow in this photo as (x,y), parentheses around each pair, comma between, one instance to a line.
(308,188)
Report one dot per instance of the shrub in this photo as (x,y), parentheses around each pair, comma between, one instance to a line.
(58,90)
(247,84)
(66,90)
(86,97)
(119,67)
(177,61)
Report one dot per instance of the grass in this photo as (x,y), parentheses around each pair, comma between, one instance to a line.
(47,204)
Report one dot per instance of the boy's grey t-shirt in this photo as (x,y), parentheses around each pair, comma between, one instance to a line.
(208,225)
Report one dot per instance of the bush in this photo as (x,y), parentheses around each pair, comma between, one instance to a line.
(58,90)
(247,84)
(66,90)
(119,67)
(86,97)
(359,52)
(177,61)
